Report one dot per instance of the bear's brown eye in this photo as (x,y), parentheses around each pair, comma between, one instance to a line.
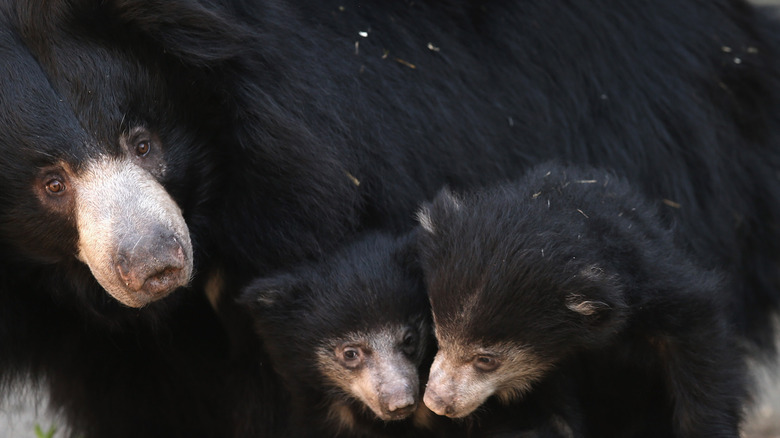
(352,357)
(486,363)
(55,186)
(143,148)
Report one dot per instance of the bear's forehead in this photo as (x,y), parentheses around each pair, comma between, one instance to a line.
(385,337)
(43,130)
(58,119)
(456,347)
(105,89)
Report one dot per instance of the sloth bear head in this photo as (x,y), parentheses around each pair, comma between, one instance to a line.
(351,333)
(516,286)
(97,163)
(139,153)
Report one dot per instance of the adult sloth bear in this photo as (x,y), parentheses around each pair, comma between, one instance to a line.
(153,145)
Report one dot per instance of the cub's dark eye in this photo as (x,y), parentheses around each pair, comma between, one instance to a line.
(142,148)
(486,363)
(352,357)
(409,343)
(55,186)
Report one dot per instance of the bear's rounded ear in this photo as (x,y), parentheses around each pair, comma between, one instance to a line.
(580,304)
(444,205)
(191,31)
(268,293)
(599,297)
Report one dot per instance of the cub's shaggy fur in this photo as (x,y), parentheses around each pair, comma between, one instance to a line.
(571,272)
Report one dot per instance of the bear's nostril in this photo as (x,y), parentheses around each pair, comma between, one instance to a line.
(400,405)
(399,412)
(153,268)
(124,268)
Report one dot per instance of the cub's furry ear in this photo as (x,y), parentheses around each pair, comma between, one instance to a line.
(598,299)
(445,205)
(581,304)
(274,295)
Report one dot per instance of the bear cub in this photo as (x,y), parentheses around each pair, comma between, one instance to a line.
(352,339)
(571,273)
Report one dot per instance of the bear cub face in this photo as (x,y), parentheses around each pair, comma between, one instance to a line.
(351,334)
(518,280)
(572,271)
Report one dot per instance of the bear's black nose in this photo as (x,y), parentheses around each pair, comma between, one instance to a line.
(153,264)
(398,402)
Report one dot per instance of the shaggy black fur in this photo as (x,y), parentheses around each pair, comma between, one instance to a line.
(285,131)
(574,266)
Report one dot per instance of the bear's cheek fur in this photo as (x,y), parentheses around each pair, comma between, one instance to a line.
(131,233)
